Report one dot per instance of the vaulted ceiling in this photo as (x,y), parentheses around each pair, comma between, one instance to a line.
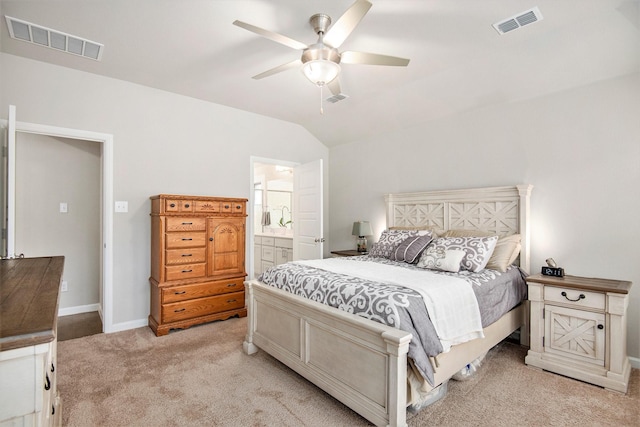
(459,62)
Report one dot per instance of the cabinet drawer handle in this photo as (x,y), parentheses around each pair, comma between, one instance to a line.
(179,310)
(231,300)
(53,368)
(180,293)
(231,285)
(187,254)
(186,238)
(186,205)
(173,205)
(53,410)
(581,296)
(600,326)
(187,271)
(47,384)
(187,223)
(226,206)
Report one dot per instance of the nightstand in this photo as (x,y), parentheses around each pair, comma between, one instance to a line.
(579,328)
(351,252)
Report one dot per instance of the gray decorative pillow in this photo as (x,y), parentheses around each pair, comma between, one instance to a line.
(438,258)
(477,250)
(411,248)
(389,241)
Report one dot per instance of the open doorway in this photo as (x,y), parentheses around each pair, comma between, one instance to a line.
(272,219)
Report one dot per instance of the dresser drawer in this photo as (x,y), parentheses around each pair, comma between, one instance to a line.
(207,206)
(186,224)
(186,292)
(185,240)
(184,256)
(172,205)
(268,253)
(575,297)
(268,241)
(186,271)
(202,306)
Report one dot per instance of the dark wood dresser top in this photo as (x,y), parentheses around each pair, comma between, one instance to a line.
(29,295)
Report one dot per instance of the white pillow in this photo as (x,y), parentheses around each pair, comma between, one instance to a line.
(477,250)
(438,258)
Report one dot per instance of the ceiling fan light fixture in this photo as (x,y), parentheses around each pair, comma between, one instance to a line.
(321,71)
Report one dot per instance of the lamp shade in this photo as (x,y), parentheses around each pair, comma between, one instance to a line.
(361,228)
(320,72)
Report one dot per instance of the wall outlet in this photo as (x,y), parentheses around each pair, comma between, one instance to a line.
(64,287)
(122,206)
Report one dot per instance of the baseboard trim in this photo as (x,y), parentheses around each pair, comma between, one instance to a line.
(68,311)
(634,362)
(132,324)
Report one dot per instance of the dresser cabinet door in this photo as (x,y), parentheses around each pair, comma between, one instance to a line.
(225,250)
(573,333)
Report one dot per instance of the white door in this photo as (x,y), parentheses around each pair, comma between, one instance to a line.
(11,182)
(307,211)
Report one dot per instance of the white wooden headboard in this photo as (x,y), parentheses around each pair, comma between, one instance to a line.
(501,210)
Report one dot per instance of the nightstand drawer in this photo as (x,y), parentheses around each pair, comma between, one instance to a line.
(575,297)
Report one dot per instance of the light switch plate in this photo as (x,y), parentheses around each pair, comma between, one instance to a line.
(63,207)
(122,206)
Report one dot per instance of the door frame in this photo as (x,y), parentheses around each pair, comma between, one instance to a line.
(106,157)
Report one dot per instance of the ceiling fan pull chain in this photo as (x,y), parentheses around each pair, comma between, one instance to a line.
(321,109)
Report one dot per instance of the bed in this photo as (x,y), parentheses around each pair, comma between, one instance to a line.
(364,363)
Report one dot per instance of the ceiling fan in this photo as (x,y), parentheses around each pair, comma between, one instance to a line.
(320,61)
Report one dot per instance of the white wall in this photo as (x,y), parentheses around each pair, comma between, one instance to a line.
(579,148)
(163,143)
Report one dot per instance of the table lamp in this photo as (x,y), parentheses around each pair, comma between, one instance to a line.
(362,229)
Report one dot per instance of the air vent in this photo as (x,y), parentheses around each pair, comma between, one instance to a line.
(42,36)
(337,98)
(520,20)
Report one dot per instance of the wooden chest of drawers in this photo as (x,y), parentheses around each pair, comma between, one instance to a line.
(197,260)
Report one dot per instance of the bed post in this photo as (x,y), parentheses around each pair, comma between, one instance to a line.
(524,192)
(248,346)
(397,348)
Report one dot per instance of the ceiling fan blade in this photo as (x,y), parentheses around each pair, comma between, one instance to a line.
(278,38)
(350,57)
(334,86)
(341,29)
(278,69)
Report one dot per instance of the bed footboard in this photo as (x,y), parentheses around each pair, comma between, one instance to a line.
(359,362)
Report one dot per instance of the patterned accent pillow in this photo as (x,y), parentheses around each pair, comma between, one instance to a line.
(411,248)
(478,250)
(438,258)
(389,241)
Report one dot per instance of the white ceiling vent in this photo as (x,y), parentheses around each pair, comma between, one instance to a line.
(42,36)
(520,20)
(337,98)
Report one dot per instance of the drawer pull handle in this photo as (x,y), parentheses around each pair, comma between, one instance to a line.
(179,310)
(187,223)
(187,254)
(231,300)
(231,285)
(226,206)
(581,296)
(187,271)
(601,326)
(53,410)
(173,205)
(187,238)
(211,239)
(180,293)
(47,384)
(186,205)
(53,368)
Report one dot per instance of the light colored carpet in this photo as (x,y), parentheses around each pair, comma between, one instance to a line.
(201,377)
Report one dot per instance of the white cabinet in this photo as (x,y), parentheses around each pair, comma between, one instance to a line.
(271,251)
(578,328)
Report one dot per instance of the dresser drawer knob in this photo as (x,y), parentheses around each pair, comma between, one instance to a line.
(229,301)
(226,206)
(581,296)
(179,310)
(173,205)
(180,293)
(600,326)
(231,285)
(211,239)
(53,368)
(186,205)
